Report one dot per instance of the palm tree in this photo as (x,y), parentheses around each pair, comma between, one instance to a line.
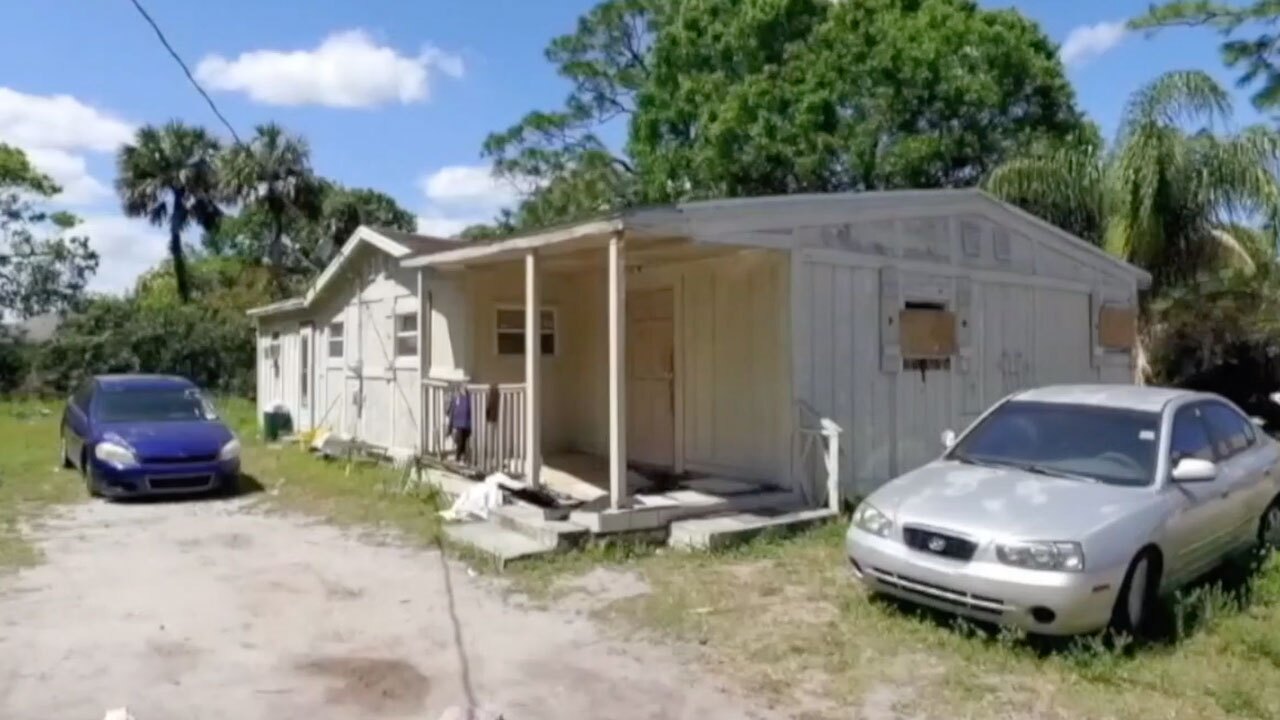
(1171,195)
(167,175)
(273,170)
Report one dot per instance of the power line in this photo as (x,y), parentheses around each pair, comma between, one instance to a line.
(164,41)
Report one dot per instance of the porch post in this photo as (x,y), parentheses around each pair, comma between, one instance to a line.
(617,368)
(532,372)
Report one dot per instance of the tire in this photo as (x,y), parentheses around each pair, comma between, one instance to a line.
(1136,599)
(1269,527)
(62,452)
(89,485)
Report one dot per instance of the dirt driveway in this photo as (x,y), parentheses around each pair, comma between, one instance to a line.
(215,610)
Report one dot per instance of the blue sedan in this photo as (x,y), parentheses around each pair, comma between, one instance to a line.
(133,435)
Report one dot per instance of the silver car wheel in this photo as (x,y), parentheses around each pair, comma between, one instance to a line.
(1136,602)
(1271,526)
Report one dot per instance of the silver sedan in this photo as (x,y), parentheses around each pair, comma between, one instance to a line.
(1068,509)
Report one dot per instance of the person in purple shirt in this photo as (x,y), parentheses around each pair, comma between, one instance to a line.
(459,416)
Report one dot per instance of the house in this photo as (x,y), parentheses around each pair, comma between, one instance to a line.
(816,345)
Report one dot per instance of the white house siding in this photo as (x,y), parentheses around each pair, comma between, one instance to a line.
(278,379)
(1023,318)
(369,393)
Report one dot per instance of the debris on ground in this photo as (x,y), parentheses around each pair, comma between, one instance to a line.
(477,501)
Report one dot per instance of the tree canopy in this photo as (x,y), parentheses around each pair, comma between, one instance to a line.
(1170,195)
(1255,55)
(44,265)
(168,175)
(742,97)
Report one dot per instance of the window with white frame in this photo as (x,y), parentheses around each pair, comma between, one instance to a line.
(510,331)
(271,352)
(407,334)
(335,341)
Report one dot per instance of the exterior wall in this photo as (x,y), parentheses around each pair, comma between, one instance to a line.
(366,301)
(565,293)
(279,378)
(732,371)
(1025,306)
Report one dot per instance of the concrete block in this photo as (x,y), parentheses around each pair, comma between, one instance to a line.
(720,531)
(501,544)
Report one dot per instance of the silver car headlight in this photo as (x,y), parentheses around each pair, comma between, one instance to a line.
(1043,555)
(866,517)
(115,455)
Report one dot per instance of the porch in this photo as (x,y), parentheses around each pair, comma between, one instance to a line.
(658,386)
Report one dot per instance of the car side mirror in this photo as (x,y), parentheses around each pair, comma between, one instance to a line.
(1191,470)
(948,438)
(1257,421)
(1275,397)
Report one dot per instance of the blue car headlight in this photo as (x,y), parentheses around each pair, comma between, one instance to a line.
(230,451)
(867,517)
(116,455)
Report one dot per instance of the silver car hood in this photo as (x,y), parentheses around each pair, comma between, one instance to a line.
(986,502)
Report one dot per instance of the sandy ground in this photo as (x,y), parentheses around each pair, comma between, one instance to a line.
(214,610)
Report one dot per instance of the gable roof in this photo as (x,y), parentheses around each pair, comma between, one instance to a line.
(399,245)
(725,221)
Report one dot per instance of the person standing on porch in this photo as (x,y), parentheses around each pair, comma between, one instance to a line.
(459,417)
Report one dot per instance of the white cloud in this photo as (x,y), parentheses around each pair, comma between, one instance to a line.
(69,171)
(58,121)
(445,226)
(55,131)
(468,185)
(462,195)
(1088,42)
(126,248)
(347,70)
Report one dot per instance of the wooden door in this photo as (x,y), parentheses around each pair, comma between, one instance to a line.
(651,377)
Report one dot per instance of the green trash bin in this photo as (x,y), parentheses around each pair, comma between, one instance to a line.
(276,424)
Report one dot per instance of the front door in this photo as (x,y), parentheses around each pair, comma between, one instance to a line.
(651,377)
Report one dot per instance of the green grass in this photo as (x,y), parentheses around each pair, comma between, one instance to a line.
(783,617)
(30,477)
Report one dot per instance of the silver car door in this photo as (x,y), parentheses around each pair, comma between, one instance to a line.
(1201,516)
(1244,467)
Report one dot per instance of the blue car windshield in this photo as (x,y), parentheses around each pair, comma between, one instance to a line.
(1110,445)
(136,405)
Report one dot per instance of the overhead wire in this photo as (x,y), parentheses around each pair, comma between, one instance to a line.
(186,70)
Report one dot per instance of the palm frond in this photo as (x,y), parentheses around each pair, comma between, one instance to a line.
(1175,98)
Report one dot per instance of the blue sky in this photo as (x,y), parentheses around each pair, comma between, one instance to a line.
(392,94)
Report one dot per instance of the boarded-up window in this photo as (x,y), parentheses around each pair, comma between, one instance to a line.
(407,334)
(926,330)
(1117,327)
(510,331)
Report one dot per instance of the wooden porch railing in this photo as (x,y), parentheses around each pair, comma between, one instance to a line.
(496,446)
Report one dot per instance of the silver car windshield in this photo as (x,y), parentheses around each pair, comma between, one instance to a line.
(1085,442)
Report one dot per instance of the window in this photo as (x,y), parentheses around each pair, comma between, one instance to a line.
(335,340)
(82,395)
(1190,436)
(304,362)
(926,330)
(1232,432)
(510,329)
(407,335)
(272,352)
(1114,446)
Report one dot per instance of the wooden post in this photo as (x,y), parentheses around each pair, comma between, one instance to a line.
(617,288)
(532,372)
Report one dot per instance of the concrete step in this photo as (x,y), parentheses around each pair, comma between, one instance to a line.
(720,531)
(497,542)
(533,523)
(652,512)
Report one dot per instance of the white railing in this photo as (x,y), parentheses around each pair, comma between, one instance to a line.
(819,439)
(497,437)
